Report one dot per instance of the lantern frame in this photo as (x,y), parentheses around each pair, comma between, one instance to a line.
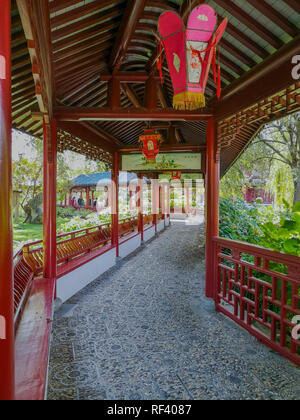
(191,51)
(150,142)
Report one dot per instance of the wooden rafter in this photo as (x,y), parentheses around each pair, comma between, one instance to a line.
(39,45)
(125,34)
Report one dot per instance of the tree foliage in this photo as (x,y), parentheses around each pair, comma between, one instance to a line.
(274,155)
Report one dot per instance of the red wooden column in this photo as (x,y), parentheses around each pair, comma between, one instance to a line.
(115,203)
(163,201)
(168,200)
(6,253)
(87,204)
(49,225)
(212,205)
(154,200)
(70,198)
(187,192)
(140,205)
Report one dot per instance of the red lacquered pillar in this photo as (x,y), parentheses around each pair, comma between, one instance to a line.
(140,206)
(6,253)
(212,205)
(187,191)
(87,204)
(115,202)
(155,200)
(49,225)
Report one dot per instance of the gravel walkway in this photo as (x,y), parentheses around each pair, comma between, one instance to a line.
(145,331)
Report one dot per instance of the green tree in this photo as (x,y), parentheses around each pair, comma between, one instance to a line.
(28,172)
(282,138)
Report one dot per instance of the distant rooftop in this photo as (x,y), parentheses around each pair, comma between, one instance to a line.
(103,178)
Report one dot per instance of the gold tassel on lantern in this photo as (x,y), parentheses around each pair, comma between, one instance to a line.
(189,101)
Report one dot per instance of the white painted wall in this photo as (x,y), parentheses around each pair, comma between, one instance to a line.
(149,233)
(129,246)
(167,221)
(160,226)
(73,282)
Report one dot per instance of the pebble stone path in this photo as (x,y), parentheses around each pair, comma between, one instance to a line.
(145,331)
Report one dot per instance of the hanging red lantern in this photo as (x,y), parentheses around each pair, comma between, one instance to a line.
(190,53)
(150,142)
(176,175)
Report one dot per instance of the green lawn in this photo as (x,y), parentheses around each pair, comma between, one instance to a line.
(27,232)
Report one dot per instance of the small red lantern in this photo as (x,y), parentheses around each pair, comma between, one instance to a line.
(176,175)
(150,145)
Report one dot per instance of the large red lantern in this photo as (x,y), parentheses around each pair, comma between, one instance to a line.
(190,53)
(150,142)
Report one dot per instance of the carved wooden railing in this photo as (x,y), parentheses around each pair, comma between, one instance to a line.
(260,290)
(148,219)
(23,276)
(28,261)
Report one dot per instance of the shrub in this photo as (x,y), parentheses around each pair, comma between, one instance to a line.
(283,236)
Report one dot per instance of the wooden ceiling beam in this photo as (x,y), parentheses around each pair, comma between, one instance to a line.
(131,95)
(127,77)
(38,36)
(106,114)
(131,17)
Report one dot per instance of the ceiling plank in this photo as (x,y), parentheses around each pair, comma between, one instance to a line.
(250,22)
(294,4)
(274,16)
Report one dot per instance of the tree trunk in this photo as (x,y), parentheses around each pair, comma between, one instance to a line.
(297,186)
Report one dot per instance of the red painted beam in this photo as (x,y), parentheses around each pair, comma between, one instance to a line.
(89,134)
(49,225)
(125,114)
(127,77)
(212,206)
(6,263)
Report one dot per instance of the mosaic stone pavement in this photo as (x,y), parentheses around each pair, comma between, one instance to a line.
(145,331)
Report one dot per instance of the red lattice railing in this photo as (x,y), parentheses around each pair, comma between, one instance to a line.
(23,276)
(28,261)
(260,290)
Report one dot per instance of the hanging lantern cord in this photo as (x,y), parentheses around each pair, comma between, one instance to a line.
(159,61)
(159,56)
(217,74)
